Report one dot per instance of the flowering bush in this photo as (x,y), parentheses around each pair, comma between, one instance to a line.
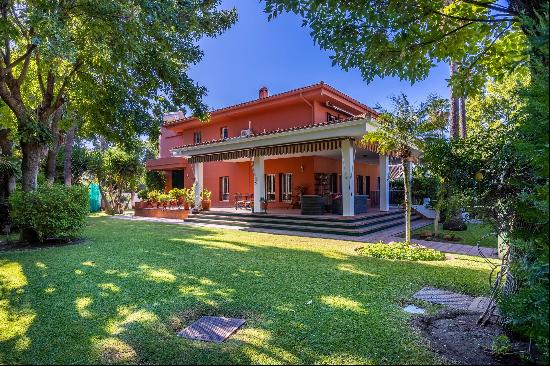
(401,251)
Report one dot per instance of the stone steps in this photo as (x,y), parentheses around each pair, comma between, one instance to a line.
(321,225)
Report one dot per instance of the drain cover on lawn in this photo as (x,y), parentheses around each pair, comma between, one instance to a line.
(212,328)
(442,297)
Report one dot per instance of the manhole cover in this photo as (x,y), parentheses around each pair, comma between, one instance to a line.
(212,328)
(442,297)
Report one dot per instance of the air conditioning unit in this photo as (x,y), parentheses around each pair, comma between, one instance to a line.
(246,133)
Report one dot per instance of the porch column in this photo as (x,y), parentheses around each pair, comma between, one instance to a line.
(198,168)
(383,165)
(259,182)
(348,187)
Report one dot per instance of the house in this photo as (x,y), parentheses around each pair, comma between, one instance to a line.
(302,142)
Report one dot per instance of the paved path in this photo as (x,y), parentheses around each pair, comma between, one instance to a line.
(384,236)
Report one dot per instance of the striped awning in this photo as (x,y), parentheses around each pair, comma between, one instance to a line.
(273,150)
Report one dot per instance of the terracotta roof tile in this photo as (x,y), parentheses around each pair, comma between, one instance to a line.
(288,92)
(278,130)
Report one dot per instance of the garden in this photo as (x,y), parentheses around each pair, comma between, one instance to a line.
(122,294)
(82,92)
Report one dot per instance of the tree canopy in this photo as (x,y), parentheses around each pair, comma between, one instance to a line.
(407,38)
(119,63)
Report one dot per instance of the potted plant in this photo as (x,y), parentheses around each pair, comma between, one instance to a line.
(153,198)
(142,195)
(205,199)
(178,195)
(189,197)
(164,199)
(263,204)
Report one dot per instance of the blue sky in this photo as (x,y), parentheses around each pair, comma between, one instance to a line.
(281,55)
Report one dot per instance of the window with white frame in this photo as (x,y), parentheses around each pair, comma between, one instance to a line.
(224,189)
(270,187)
(197,138)
(224,133)
(286,187)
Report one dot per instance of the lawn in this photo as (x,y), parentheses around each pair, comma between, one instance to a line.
(475,233)
(122,295)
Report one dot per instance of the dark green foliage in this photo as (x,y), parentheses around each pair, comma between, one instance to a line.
(142,195)
(454,224)
(407,38)
(81,163)
(155,180)
(52,211)
(402,251)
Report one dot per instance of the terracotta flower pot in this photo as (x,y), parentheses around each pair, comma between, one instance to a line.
(206,205)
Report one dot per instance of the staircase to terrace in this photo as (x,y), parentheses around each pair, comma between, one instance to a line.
(331,225)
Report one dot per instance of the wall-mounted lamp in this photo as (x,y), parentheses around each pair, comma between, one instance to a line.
(302,168)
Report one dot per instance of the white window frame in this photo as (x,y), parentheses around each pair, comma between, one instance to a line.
(195,135)
(286,186)
(224,133)
(270,187)
(225,189)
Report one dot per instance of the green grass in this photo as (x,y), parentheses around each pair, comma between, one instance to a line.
(122,295)
(474,233)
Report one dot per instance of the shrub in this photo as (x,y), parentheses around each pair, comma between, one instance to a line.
(155,180)
(402,251)
(52,211)
(455,224)
(177,193)
(143,194)
(153,196)
(206,194)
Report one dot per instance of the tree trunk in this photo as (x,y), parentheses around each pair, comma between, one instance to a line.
(408,197)
(462,116)
(437,207)
(51,162)
(454,118)
(30,165)
(68,163)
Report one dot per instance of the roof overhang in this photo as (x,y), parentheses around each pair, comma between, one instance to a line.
(350,129)
(168,163)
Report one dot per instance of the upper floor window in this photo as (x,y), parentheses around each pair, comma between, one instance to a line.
(331,117)
(197,138)
(224,133)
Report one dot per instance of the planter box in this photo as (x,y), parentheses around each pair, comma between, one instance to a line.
(179,213)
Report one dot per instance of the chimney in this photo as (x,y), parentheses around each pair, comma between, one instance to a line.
(263,93)
(172,116)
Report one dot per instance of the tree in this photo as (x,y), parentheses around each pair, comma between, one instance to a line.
(405,129)
(117,172)
(130,55)
(407,38)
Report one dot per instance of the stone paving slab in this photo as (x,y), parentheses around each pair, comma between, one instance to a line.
(447,298)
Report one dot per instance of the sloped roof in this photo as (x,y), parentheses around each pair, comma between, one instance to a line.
(273,97)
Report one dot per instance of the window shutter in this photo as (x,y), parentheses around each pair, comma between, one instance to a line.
(220,189)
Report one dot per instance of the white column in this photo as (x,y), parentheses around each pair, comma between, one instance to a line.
(383,165)
(348,187)
(198,168)
(259,182)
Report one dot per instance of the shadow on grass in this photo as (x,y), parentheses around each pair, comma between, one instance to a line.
(122,298)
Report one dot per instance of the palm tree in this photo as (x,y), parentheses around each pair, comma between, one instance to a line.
(402,132)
